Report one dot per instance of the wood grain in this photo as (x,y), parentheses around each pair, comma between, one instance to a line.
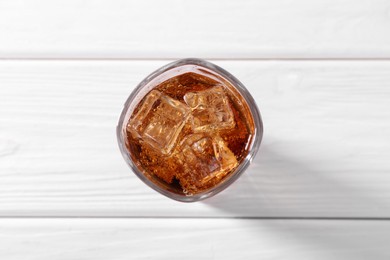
(185,238)
(324,154)
(174,29)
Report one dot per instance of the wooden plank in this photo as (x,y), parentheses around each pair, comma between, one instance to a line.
(173,29)
(192,239)
(324,154)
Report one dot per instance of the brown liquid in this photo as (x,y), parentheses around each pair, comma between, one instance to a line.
(207,148)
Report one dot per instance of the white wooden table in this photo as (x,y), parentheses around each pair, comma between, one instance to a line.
(318,189)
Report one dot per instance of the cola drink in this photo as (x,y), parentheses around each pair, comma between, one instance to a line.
(189,129)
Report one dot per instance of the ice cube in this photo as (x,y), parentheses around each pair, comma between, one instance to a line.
(210,109)
(159,121)
(204,157)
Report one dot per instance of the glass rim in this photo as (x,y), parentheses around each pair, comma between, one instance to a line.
(252,151)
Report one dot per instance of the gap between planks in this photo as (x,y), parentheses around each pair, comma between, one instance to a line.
(200,217)
(359,59)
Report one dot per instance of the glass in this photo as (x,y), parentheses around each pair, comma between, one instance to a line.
(180,130)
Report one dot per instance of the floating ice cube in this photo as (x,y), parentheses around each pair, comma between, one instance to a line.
(210,109)
(159,121)
(204,158)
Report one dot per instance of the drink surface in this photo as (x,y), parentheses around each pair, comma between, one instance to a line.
(190,132)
